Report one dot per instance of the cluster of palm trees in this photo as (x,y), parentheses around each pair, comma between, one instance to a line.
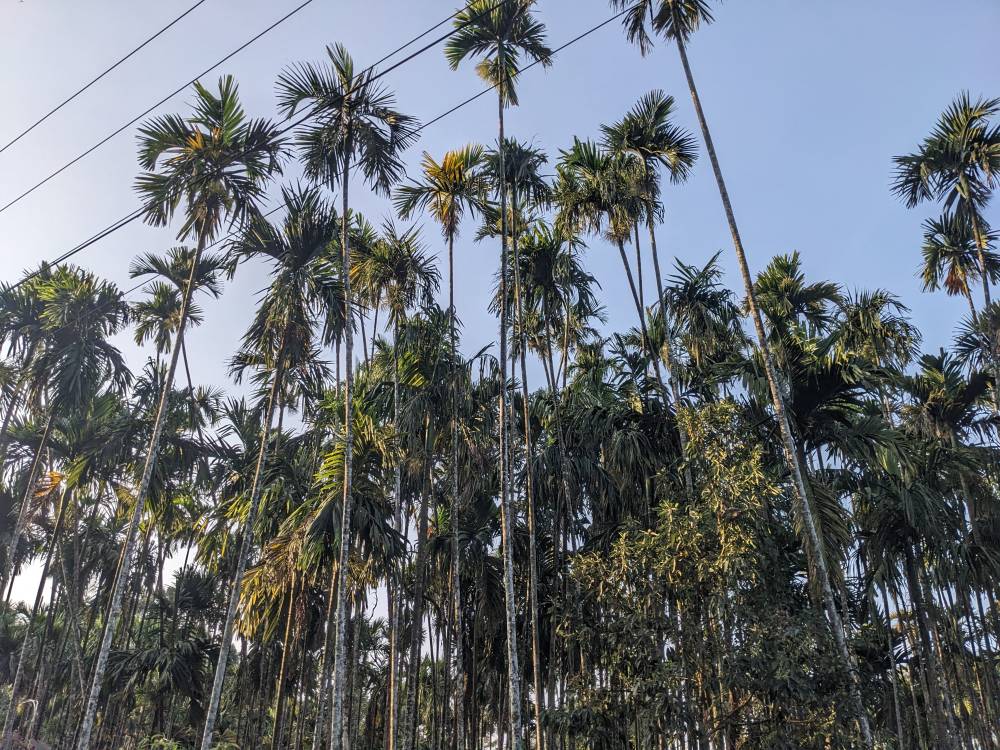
(695,533)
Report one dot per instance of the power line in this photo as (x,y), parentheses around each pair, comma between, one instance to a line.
(86,86)
(128,218)
(165,99)
(422,127)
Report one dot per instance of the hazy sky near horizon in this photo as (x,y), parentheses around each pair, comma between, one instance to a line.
(808,102)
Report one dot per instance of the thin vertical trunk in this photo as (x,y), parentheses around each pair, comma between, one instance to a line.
(8,725)
(246,545)
(152,453)
(640,312)
(340,647)
(279,699)
(529,489)
(900,734)
(788,442)
(420,582)
(668,353)
(395,588)
(15,539)
(506,525)
(930,660)
(458,627)
(326,663)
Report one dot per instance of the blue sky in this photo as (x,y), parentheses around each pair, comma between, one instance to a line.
(808,102)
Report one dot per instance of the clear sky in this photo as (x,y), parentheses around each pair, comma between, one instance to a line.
(808,101)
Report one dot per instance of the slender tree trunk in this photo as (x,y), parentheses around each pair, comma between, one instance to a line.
(286,647)
(8,725)
(22,512)
(934,676)
(395,588)
(788,442)
(340,646)
(668,354)
(529,490)
(456,550)
(420,583)
(640,312)
(506,524)
(900,735)
(118,591)
(246,545)
(327,662)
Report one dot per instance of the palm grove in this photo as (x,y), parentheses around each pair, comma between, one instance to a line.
(759,518)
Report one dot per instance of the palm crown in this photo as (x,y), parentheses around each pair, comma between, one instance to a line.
(215,161)
(959,163)
(502,34)
(306,295)
(449,189)
(354,120)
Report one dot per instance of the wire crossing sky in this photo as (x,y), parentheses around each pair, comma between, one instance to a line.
(808,105)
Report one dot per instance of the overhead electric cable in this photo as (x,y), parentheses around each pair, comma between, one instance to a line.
(162,101)
(87,85)
(131,217)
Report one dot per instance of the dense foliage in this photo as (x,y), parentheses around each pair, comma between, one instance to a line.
(758,519)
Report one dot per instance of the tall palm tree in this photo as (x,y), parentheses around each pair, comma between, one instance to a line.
(501,35)
(399,273)
(77,362)
(215,163)
(647,132)
(519,174)
(353,123)
(302,309)
(157,318)
(596,192)
(449,190)
(20,331)
(959,165)
(952,258)
(677,20)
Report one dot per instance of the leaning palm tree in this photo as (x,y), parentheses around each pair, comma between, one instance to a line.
(215,163)
(449,190)
(302,309)
(502,34)
(677,20)
(353,122)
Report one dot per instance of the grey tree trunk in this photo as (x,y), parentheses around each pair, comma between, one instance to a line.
(131,540)
(529,490)
(416,631)
(802,499)
(8,415)
(22,512)
(340,646)
(8,724)
(456,551)
(668,353)
(513,668)
(395,605)
(256,490)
